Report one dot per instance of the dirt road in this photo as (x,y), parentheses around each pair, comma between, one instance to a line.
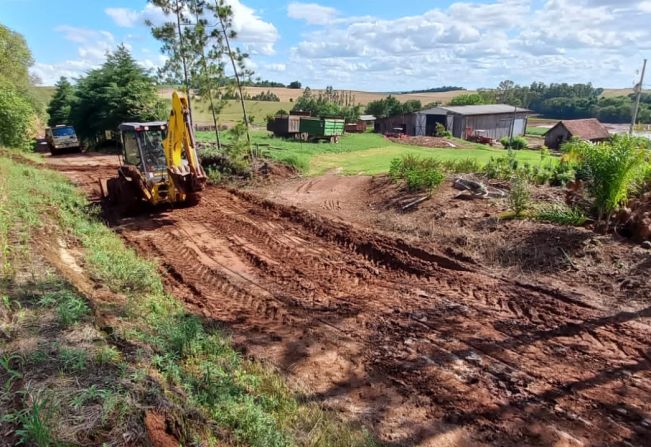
(422,348)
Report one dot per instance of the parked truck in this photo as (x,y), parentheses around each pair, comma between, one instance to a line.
(62,138)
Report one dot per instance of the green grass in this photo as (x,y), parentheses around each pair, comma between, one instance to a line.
(537,131)
(232,112)
(201,371)
(366,153)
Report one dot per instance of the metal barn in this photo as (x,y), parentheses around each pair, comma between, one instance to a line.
(493,121)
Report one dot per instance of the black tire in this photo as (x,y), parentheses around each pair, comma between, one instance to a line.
(53,150)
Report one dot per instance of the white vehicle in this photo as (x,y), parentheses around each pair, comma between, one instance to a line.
(61,138)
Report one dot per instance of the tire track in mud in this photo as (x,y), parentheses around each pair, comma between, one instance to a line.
(302,265)
(379,327)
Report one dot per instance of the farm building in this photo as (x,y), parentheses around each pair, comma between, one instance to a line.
(586,129)
(493,121)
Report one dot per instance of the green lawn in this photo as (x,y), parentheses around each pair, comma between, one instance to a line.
(366,153)
(537,131)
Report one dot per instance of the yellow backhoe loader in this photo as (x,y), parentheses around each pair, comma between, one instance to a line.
(159,163)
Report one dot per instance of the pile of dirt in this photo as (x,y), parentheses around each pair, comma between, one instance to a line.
(635,220)
(423,141)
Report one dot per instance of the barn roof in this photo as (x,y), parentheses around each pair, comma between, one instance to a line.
(486,109)
(586,129)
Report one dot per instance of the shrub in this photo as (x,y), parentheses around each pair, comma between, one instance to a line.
(519,195)
(441,131)
(419,173)
(613,168)
(562,174)
(515,143)
(561,214)
(467,166)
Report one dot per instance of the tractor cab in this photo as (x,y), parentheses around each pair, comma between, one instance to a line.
(142,147)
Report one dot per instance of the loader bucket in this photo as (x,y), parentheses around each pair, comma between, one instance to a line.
(186,179)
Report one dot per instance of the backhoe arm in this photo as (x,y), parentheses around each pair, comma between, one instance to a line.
(188,175)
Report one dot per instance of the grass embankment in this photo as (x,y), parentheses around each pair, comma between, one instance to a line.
(366,153)
(65,381)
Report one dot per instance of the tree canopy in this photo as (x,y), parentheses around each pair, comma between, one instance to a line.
(19,109)
(117,92)
(390,106)
(330,103)
(61,103)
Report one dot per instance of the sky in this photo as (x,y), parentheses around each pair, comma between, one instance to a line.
(374,45)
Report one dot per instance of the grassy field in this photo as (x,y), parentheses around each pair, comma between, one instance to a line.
(68,383)
(366,153)
(537,131)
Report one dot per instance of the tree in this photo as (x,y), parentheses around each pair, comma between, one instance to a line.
(119,91)
(16,59)
(18,106)
(16,117)
(390,106)
(222,36)
(295,85)
(467,99)
(61,103)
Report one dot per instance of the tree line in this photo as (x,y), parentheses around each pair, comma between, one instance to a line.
(329,103)
(562,101)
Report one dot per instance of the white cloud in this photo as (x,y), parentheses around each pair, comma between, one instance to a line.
(124,17)
(257,35)
(478,44)
(254,34)
(311,13)
(278,68)
(93,44)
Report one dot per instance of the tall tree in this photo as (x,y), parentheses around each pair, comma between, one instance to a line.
(222,37)
(18,106)
(119,91)
(61,103)
(16,58)
(176,41)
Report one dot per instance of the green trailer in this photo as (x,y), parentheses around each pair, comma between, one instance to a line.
(314,129)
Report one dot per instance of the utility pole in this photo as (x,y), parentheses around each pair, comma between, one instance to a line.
(639,88)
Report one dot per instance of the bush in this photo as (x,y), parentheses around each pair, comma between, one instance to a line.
(562,174)
(17,118)
(420,173)
(613,168)
(519,195)
(562,215)
(441,131)
(516,143)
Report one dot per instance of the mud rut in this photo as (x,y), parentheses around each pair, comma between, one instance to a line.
(412,343)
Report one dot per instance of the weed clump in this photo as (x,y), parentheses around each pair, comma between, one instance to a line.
(515,143)
(519,196)
(420,174)
(561,214)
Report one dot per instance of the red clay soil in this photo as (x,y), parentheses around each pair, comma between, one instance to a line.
(422,347)
(156,426)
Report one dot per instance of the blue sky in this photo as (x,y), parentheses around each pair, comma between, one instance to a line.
(378,45)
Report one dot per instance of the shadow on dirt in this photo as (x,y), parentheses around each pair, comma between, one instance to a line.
(545,250)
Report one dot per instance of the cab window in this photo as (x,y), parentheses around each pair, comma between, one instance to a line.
(131,152)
